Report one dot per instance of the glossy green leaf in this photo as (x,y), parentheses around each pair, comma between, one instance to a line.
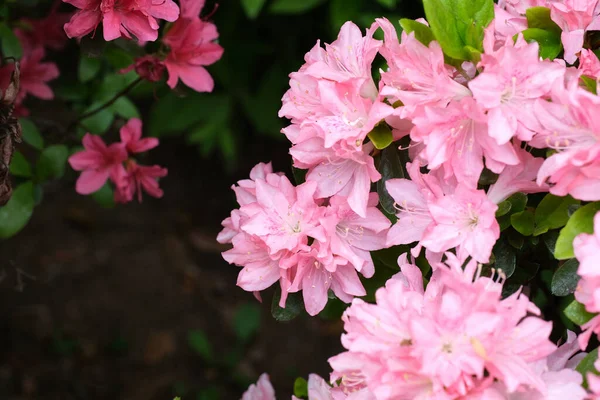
(422,32)
(198,341)
(518,202)
(586,366)
(9,42)
(125,108)
(582,221)
(390,167)
(539,17)
(565,278)
(246,321)
(503,208)
(52,162)
(506,257)
(99,122)
(457,24)
(381,136)
(19,166)
(390,4)
(89,67)
(17,212)
(341,11)
(523,222)
(252,7)
(301,388)
(293,6)
(552,213)
(294,306)
(549,41)
(576,313)
(31,134)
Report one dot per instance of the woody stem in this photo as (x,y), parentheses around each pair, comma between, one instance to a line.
(108,103)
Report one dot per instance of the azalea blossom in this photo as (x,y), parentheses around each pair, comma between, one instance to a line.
(98,163)
(147,67)
(139,178)
(261,390)
(126,18)
(46,32)
(191,41)
(575,17)
(131,137)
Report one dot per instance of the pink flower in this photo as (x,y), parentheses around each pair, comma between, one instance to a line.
(131,137)
(570,126)
(587,252)
(192,47)
(139,178)
(47,32)
(417,74)
(513,78)
(121,17)
(575,17)
(520,6)
(518,178)
(261,390)
(589,65)
(148,67)
(98,163)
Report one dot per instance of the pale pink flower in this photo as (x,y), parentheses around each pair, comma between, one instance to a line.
(120,18)
(570,126)
(513,78)
(261,390)
(192,47)
(589,65)
(98,163)
(507,23)
(457,139)
(520,6)
(417,75)
(139,178)
(351,238)
(131,137)
(575,17)
(518,178)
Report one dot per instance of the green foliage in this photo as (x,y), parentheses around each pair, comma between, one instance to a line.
(246,321)
(564,280)
(539,18)
(582,221)
(17,212)
(458,25)
(422,32)
(89,67)
(523,222)
(252,7)
(301,388)
(198,341)
(19,166)
(576,313)
(381,136)
(293,6)
(52,163)
(390,167)
(9,43)
(549,41)
(552,213)
(505,256)
(294,306)
(105,196)
(586,366)
(31,134)
(503,208)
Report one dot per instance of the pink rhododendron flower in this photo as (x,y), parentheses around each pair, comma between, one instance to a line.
(47,32)
(148,67)
(192,47)
(575,17)
(519,7)
(261,390)
(98,163)
(570,126)
(131,137)
(120,18)
(513,78)
(589,65)
(417,74)
(437,343)
(587,252)
(139,178)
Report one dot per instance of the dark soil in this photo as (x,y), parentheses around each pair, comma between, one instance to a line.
(98,303)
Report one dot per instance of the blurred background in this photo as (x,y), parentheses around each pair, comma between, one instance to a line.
(99,301)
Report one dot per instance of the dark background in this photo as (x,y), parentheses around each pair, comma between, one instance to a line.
(135,301)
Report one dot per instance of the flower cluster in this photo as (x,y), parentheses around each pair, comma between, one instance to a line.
(99,162)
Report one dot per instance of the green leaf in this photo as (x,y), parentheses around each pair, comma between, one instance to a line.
(565,278)
(391,4)
(539,17)
(586,366)
(506,258)
(381,136)
(19,166)
(503,208)
(576,313)
(100,121)
(390,167)
(552,213)
(301,388)
(11,46)
(549,41)
(299,175)
(389,256)
(293,307)
(246,321)
(198,341)
(118,58)
(31,134)
(518,202)
(252,7)
(17,212)
(422,32)
(341,11)
(52,162)
(523,222)
(582,221)
(88,68)
(293,6)
(125,108)
(105,196)
(458,23)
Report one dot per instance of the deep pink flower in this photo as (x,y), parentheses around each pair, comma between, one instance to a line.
(131,137)
(121,18)
(47,32)
(147,67)
(98,163)
(261,390)
(192,47)
(575,17)
(138,178)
